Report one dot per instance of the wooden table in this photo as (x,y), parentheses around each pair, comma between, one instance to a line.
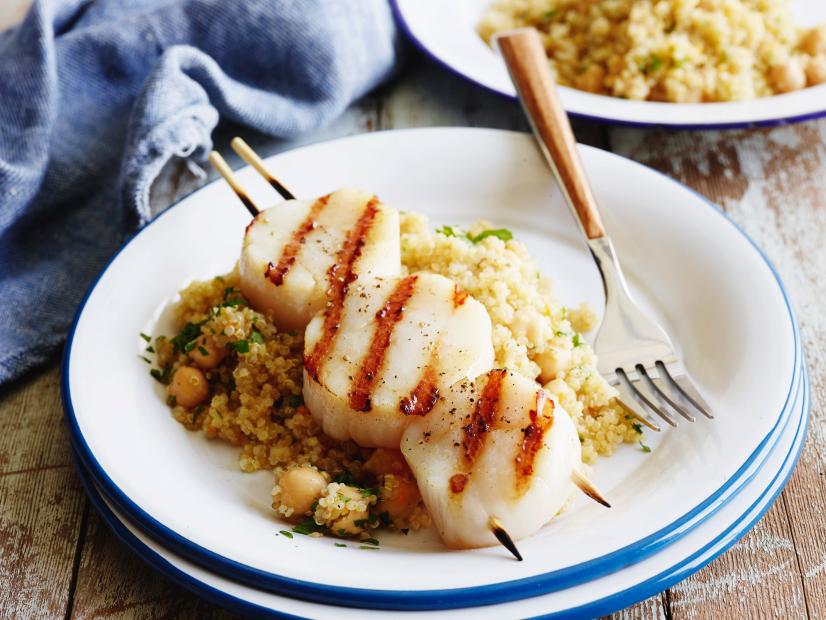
(59,559)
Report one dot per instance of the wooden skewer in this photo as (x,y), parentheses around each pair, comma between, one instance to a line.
(246,153)
(220,164)
(503,537)
(588,487)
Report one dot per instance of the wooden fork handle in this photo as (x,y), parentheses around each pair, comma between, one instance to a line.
(528,65)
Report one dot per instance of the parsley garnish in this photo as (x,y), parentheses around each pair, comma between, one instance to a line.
(577,340)
(339,544)
(653,63)
(637,427)
(162,375)
(241,346)
(447,231)
(186,339)
(644,447)
(345,477)
(230,301)
(145,337)
(145,359)
(286,533)
(203,351)
(256,337)
(500,233)
(308,526)
(369,548)
(370,541)
(150,349)
(295,401)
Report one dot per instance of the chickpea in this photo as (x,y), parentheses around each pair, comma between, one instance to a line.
(552,363)
(814,42)
(787,77)
(347,525)
(300,487)
(402,499)
(189,387)
(206,353)
(816,70)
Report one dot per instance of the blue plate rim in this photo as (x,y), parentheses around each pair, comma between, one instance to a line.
(386,599)
(398,14)
(600,607)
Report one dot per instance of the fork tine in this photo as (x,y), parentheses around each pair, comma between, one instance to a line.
(684,386)
(634,413)
(659,388)
(640,395)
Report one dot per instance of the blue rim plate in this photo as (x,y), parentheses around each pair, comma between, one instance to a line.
(446,33)
(250,603)
(453,143)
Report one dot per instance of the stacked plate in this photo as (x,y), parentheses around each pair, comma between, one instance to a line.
(181,503)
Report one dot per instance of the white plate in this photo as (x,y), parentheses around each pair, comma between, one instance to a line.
(701,277)
(595,598)
(447,32)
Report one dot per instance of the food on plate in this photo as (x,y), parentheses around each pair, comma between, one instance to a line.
(294,252)
(682,51)
(389,356)
(498,447)
(384,349)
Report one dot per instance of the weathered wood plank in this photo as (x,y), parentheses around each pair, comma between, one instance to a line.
(757,577)
(40,500)
(773,183)
(113,583)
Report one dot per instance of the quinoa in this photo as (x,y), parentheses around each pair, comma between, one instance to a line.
(670,50)
(255,389)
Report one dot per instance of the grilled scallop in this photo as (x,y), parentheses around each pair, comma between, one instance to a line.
(289,250)
(494,447)
(384,350)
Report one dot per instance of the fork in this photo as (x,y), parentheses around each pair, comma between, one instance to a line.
(635,354)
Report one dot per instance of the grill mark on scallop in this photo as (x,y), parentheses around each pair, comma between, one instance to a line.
(425,395)
(276,272)
(460,296)
(533,434)
(483,417)
(386,320)
(340,276)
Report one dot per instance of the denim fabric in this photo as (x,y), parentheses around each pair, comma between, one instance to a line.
(96,96)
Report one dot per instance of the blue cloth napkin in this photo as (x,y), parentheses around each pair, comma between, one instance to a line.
(96,96)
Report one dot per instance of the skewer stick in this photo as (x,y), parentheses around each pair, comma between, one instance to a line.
(220,164)
(246,153)
(503,537)
(588,487)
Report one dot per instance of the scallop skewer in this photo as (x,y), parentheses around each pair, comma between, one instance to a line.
(222,167)
(246,153)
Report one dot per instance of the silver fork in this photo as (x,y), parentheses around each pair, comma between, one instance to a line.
(635,354)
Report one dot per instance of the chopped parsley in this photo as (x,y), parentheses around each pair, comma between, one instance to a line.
(145,337)
(295,401)
(653,63)
(368,547)
(308,526)
(187,338)
(286,533)
(203,351)
(644,447)
(145,359)
(256,337)
(339,544)
(240,346)
(448,231)
(230,301)
(345,477)
(370,541)
(637,427)
(162,374)
(577,340)
(500,233)
(150,349)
